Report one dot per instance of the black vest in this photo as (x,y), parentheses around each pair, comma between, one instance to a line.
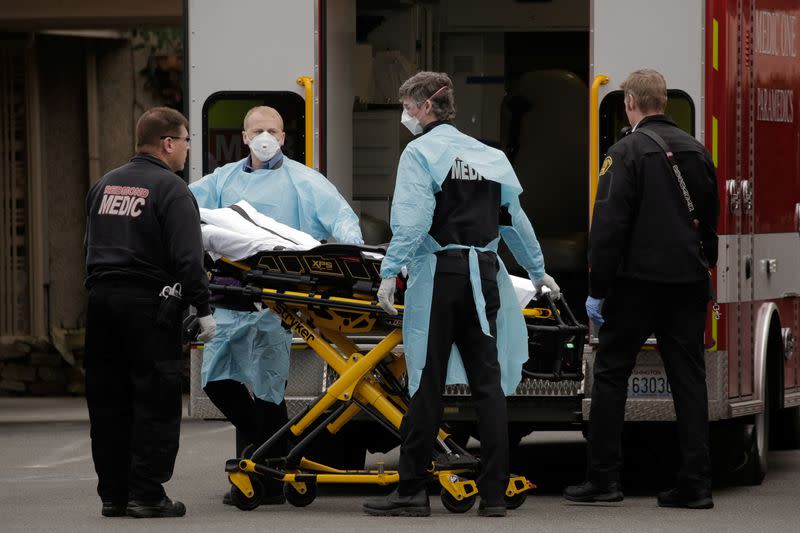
(467,208)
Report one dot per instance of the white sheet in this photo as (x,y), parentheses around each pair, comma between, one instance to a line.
(524,289)
(227,233)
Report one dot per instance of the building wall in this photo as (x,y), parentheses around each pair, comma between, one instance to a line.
(62,90)
(81,126)
(116,106)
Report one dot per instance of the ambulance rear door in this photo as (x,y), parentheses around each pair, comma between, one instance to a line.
(243,53)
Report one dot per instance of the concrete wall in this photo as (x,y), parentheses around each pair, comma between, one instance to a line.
(121,98)
(64,154)
(115,100)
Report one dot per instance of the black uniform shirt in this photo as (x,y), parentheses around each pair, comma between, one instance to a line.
(641,228)
(143,227)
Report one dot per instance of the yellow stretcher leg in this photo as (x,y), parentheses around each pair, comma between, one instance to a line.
(242,482)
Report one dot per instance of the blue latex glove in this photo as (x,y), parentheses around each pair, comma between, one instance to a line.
(593,306)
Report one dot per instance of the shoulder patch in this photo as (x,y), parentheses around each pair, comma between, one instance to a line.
(607,162)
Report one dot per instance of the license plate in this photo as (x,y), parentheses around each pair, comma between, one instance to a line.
(648,382)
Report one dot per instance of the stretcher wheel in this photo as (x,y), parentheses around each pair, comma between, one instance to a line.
(457,506)
(244,503)
(296,498)
(512,502)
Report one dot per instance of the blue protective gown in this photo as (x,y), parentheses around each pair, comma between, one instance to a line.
(253,348)
(423,167)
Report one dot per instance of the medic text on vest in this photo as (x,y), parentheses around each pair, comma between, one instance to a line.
(123,201)
(462,171)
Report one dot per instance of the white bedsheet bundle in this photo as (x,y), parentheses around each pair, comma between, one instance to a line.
(230,234)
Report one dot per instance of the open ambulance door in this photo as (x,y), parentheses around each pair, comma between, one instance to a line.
(628,35)
(246,53)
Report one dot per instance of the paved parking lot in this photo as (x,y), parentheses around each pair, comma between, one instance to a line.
(47,484)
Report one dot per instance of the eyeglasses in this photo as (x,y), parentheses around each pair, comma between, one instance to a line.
(187,139)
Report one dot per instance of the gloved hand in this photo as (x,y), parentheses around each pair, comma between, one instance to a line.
(386,295)
(593,306)
(548,281)
(208,328)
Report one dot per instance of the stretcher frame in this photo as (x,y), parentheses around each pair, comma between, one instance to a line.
(368,382)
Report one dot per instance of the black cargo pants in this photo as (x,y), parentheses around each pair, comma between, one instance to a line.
(133,391)
(454,319)
(676,314)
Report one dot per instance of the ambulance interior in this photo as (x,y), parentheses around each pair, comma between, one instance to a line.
(521,76)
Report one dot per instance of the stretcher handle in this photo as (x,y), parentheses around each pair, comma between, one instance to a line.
(258,294)
(572,320)
(260,275)
(556,306)
(554,309)
(594,139)
(578,328)
(306,82)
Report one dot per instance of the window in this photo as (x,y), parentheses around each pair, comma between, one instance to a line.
(223,114)
(612,115)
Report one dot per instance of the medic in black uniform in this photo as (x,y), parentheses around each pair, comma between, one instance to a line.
(653,239)
(142,235)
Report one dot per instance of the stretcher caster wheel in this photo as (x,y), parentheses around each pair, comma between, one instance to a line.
(457,506)
(519,487)
(512,502)
(244,503)
(297,498)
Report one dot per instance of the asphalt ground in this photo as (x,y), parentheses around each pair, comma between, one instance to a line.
(47,483)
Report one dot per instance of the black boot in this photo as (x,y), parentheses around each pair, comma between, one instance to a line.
(166,508)
(491,510)
(112,509)
(686,499)
(590,492)
(394,504)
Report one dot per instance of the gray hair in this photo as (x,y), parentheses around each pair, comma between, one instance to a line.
(649,88)
(424,85)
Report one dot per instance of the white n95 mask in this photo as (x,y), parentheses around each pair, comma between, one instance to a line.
(411,123)
(264,146)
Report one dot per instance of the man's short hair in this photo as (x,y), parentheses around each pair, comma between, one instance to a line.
(157,122)
(649,88)
(422,85)
(264,110)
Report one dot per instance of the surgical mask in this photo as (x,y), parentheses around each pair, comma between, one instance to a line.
(411,123)
(264,146)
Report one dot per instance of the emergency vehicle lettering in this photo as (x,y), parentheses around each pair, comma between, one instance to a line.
(462,171)
(775,34)
(775,105)
(123,201)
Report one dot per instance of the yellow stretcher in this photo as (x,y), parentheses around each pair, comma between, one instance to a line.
(323,309)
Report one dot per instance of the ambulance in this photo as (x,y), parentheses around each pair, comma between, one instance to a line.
(540,79)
